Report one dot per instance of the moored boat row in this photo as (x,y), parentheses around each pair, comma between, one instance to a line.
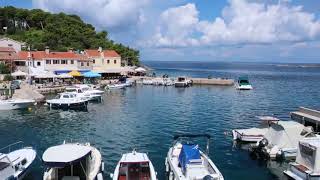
(82,161)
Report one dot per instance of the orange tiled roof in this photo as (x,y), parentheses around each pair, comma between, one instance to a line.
(92,53)
(7,49)
(110,53)
(39,55)
(8,57)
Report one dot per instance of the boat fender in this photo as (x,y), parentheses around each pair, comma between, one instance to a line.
(102,166)
(99,176)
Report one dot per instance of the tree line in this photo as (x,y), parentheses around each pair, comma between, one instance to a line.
(58,31)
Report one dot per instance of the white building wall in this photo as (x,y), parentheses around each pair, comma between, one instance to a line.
(7,42)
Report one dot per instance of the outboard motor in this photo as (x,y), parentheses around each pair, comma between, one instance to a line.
(263,143)
(258,151)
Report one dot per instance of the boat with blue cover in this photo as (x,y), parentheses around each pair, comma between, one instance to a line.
(186,161)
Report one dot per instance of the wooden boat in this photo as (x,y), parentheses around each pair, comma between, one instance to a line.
(186,161)
(134,166)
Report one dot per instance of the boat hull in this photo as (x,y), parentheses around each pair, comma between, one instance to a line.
(244,87)
(246,138)
(15,105)
(79,105)
(298,172)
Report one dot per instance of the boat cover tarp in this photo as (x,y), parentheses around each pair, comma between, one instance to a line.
(62,155)
(188,152)
(285,134)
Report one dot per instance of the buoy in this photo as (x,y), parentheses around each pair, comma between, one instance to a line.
(29,109)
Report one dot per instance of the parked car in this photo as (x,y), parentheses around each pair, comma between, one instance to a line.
(15,84)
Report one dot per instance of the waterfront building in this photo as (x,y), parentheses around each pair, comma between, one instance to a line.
(7,55)
(10,43)
(58,62)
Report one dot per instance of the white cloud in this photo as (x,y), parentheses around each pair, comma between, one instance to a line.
(111,14)
(176,26)
(241,22)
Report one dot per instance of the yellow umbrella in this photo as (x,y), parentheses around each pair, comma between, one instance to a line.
(75,73)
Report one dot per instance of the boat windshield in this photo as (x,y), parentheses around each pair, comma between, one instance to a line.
(180,79)
(136,170)
(71,90)
(4,163)
(244,82)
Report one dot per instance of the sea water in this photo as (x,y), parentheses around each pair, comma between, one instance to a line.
(147,117)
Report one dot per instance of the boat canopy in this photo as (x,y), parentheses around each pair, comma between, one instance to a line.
(91,74)
(286,134)
(62,155)
(189,153)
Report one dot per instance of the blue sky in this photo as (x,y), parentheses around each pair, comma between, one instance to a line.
(203,30)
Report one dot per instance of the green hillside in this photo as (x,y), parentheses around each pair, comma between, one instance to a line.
(58,31)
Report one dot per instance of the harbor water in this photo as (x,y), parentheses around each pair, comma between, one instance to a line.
(147,117)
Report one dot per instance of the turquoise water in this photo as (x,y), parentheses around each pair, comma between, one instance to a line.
(146,117)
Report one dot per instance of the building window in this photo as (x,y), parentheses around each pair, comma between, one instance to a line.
(115,61)
(55,61)
(48,61)
(108,61)
(94,61)
(63,61)
(82,64)
(10,45)
(72,62)
(38,63)
(88,64)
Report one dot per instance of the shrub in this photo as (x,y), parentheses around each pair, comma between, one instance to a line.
(7,77)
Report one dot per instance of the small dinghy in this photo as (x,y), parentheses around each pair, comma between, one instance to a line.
(253,135)
(116,86)
(68,100)
(11,104)
(307,164)
(186,161)
(134,166)
(73,161)
(244,84)
(281,141)
(15,164)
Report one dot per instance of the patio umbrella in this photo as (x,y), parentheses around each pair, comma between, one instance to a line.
(140,69)
(91,74)
(64,76)
(75,73)
(19,73)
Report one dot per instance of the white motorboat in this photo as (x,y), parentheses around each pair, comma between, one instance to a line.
(134,166)
(182,82)
(186,161)
(254,134)
(82,92)
(15,164)
(11,104)
(281,140)
(73,161)
(244,84)
(147,82)
(307,164)
(89,88)
(68,100)
(116,86)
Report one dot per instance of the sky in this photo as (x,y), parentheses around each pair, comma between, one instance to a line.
(202,30)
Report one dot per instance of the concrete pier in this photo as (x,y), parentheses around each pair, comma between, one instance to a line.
(27,92)
(212,81)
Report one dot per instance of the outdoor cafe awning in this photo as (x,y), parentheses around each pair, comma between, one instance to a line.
(91,74)
(19,73)
(75,73)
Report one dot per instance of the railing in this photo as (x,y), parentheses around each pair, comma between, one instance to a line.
(9,147)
